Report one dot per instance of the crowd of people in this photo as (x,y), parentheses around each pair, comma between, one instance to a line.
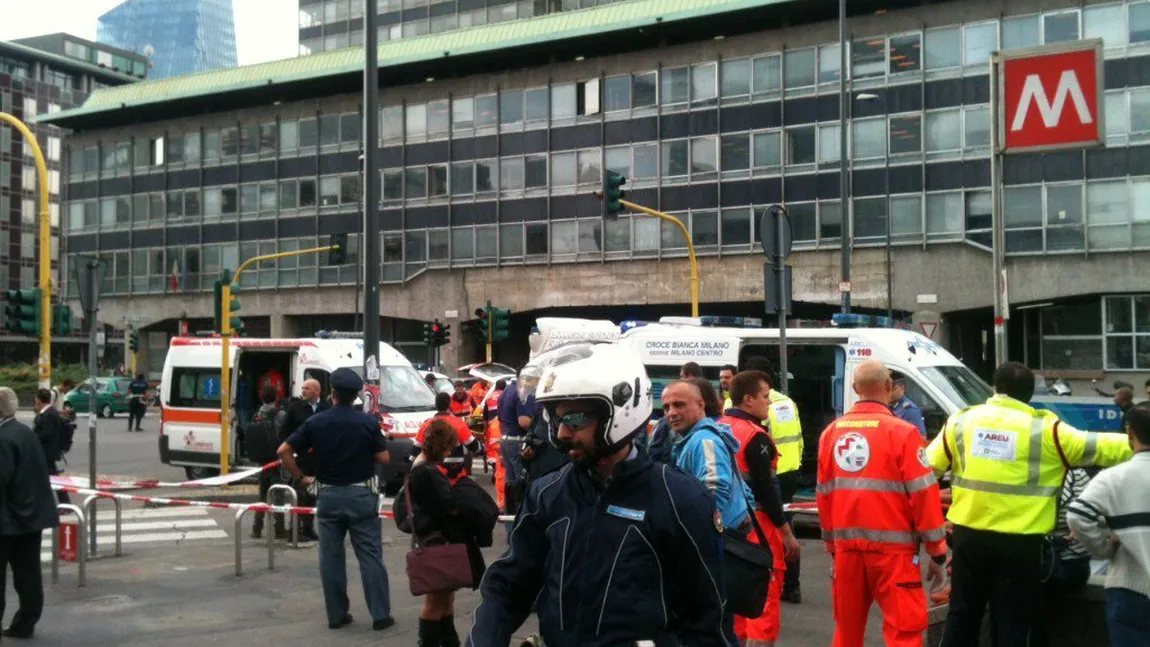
(624,534)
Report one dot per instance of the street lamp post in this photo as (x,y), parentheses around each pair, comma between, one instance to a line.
(867,96)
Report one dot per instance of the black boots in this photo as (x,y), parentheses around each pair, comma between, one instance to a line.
(430,634)
(447,632)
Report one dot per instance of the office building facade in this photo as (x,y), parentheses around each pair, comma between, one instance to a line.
(34,82)
(178,36)
(490,156)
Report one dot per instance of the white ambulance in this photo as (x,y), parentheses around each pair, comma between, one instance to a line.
(821,361)
(190,394)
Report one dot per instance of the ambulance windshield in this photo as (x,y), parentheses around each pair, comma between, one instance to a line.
(959,383)
(401,389)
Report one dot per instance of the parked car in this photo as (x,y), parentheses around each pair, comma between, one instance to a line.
(111,396)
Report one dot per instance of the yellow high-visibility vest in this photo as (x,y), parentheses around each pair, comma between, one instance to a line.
(1006,470)
(786,431)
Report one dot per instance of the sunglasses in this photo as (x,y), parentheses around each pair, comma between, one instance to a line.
(575,419)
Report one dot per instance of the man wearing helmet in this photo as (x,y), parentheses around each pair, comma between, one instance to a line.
(616,548)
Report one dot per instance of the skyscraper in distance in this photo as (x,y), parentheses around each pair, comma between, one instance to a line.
(179,36)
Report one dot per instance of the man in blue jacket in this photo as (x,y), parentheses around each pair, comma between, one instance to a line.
(615,548)
(706,450)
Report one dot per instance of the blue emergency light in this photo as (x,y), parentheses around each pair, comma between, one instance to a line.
(852,320)
(631,324)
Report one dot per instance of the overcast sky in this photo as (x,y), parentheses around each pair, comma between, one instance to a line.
(266,30)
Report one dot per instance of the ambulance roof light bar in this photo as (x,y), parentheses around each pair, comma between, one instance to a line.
(335,334)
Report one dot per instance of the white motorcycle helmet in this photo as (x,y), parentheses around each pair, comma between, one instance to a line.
(609,374)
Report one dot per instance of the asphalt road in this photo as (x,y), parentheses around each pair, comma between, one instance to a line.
(118,451)
(175,584)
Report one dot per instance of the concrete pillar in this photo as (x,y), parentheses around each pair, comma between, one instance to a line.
(282,327)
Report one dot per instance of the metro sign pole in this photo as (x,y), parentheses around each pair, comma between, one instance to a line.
(1042,99)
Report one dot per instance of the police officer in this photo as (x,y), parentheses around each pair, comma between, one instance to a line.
(904,407)
(347,444)
(616,548)
(137,391)
(1007,461)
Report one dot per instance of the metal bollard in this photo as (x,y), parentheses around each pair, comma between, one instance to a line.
(293,496)
(82,544)
(238,534)
(119,505)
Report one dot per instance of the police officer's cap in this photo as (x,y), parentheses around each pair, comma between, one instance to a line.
(345,379)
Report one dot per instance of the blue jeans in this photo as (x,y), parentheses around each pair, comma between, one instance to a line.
(354,509)
(1127,618)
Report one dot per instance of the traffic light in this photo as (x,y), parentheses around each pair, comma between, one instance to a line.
(483,323)
(440,333)
(134,341)
(61,319)
(338,254)
(428,334)
(23,311)
(612,194)
(234,320)
(218,303)
(500,322)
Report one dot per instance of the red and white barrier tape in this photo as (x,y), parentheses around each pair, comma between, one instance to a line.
(144,484)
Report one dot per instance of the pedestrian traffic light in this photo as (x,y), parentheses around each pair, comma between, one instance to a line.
(500,322)
(440,333)
(483,323)
(23,311)
(134,341)
(61,319)
(337,255)
(613,193)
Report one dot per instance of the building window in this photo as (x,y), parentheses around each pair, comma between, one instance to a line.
(830,64)
(1127,332)
(563,169)
(736,78)
(1060,27)
(703,83)
(486,111)
(704,157)
(943,48)
(977,127)
(391,122)
(799,68)
(735,154)
(943,131)
(676,86)
(829,143)
(980,40)
(800,145)
(944,215)
(868,138)
(644,90)
(536,104)
(1139,22)
(905,53)
(735,226)
(868,57)
(1021,31)
(645,158)
(1064,229)
(905,134)
(675,158)
(462,180)
(830,221)
(1072,335)
(767,150)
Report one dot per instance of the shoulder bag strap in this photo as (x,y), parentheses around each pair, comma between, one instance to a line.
(410,511)
(750,504)
(1058,446)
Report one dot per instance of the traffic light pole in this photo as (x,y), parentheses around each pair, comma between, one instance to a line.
(371,239)
(45,246)
(690,249)
(225,347)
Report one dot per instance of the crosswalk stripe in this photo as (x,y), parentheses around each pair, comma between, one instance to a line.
(109,528)
(105,512)
(106,540)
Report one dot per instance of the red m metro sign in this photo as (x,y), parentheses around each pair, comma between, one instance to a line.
(1051,97)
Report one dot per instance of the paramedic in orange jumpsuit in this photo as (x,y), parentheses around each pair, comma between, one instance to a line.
(757,457)
(494,435)
(877,498)
(461,404)
(467,441)
(478,390)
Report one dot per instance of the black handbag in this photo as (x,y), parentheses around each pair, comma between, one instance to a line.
(747,568)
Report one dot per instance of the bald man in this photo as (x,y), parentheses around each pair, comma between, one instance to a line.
(877,499)
(1124,398)
(309,404)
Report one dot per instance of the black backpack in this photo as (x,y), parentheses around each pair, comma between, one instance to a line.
(261,439)
(67,435)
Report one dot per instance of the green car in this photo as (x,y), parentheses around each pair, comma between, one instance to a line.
(111,396)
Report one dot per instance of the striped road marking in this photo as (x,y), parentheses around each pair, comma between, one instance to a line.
(150,526)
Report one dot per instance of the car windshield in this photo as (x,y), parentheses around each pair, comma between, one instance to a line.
(401,389)
(960,385)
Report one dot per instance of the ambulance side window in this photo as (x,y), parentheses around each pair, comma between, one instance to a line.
(932,413)
(196,388)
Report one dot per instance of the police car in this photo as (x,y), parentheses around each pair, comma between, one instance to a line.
(190,394)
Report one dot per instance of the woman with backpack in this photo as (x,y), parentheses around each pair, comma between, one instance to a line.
(447,507)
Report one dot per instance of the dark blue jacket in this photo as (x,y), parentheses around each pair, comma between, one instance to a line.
(637,558)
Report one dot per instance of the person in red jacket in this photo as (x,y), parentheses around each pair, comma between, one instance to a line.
(757,459)
(467,440)
(877,499)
